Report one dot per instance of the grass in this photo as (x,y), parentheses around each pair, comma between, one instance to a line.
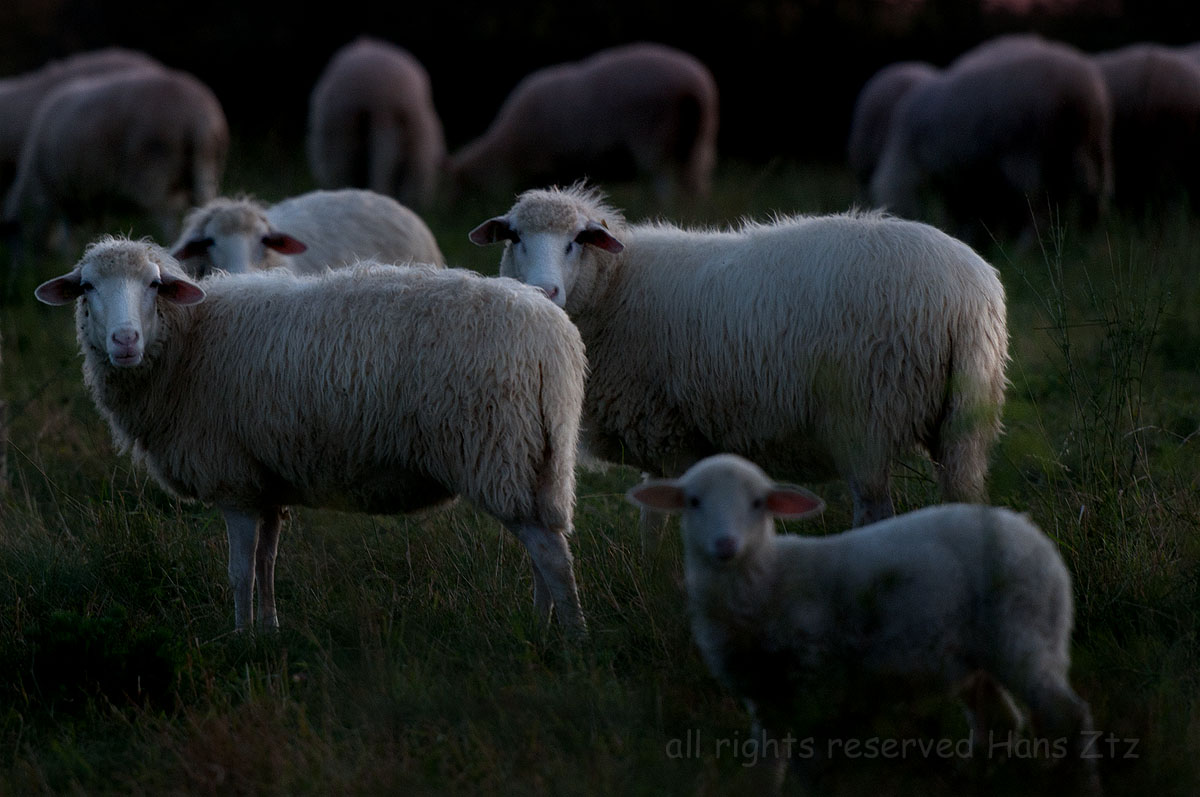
(409,659)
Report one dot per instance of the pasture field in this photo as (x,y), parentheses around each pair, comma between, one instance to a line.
(409,660)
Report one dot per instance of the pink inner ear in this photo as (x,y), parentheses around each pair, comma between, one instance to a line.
(597,236)
(284,244)
(60,290)
(788,502)
(663,496)
(180,291)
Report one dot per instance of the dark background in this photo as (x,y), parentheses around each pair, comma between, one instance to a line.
(788,70)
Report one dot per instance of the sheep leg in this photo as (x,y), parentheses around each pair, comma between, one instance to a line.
(872,500)
(242,530)
(551,557)
(1058,713)
(264,565)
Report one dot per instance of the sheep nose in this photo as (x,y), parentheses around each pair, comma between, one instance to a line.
(725,548)
(550,292)
(126,337)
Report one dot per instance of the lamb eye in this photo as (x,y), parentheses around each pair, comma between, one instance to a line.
(757,503)
(86,286)
(694,502)
(156,284)
(570,246)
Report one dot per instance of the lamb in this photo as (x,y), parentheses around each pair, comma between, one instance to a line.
(1155,93)
(306,233)
(152,139)
(374,388)
(21,94)
(1004,137)
(810,344)
(372,123)
(645,105)
(873,111)
(955,598)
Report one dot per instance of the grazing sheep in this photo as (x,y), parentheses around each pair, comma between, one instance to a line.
(21,94)
(306,234)
(1155,93)
(643,105)
(873,111)
(1005,137)
(810,344)
(372,123)
(810,630)
(373,388)
(154,140)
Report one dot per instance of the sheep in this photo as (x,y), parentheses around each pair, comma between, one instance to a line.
(955,598)
(153,139)
(21,94)
(375,388)
(872,114)
(811,344)
(306,233)
(646,105)
(1004,137)
(372,123)
(1155,94)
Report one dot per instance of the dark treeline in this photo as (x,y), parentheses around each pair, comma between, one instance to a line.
(788,70)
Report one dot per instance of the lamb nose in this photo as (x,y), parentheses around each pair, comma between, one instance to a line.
(125,337)
(550,292)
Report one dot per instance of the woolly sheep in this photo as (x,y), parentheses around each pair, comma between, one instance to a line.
(21,94)
(374,388)
(646,104)
(1155,93)
(1020,124)
(372,123)
(813,343)
(306,233)
(873,111)
(807,630)
(153,139)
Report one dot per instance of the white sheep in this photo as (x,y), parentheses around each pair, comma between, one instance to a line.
(872,114)
(154,140)
(1155,92)
(21,94)
(647,104)
(306,233)
(374,388)
(810,630)
(811,344)
(372,123)
(1007,137)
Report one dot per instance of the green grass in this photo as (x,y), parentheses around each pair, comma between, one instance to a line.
(410,660)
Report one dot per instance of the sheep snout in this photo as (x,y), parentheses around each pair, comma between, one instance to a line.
(725,548)
(125,347)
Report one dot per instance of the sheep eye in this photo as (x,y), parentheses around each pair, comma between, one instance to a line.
(758,503)
(570,246)
(86,286)
(694,501)
(156,284)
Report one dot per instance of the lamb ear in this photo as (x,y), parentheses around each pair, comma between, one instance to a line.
(492,231)
(193,248)
(178,290)
(598,235)
(663,496)
(283,243)
(60,290)
(789,501)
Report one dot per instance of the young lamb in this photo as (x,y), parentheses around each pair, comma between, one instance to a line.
(306,233)
(21,94)
(152,139)
(372,123)
(1155,92)
(374,388)
(873,111)
(1004,137)
(648,104)
(806,630)
(811,344)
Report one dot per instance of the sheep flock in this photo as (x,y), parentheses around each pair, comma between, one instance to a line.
(255,355)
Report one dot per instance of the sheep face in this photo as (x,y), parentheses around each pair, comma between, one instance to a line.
(119,287)
(235,237)
(548,257)
(728,505)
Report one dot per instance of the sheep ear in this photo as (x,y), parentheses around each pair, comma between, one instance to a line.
(492,231)
(283,243)
(193,248)
(659,495)
(599,236)
(178,290)
(61,290)
(789,501)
